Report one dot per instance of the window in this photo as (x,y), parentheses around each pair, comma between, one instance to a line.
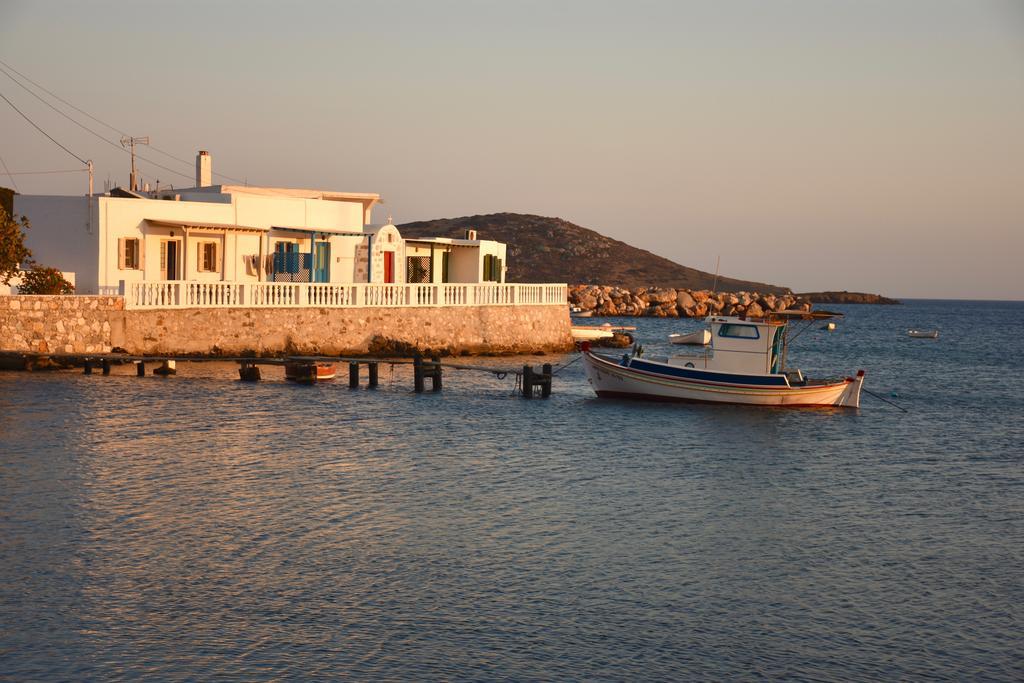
(286,258)
(129,254)
(417,269)
(206,261)
(739,331)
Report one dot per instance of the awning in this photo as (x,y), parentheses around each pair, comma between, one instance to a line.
(330,231)
(203,225)
(455,242)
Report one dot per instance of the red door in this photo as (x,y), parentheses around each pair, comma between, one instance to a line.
(389,266)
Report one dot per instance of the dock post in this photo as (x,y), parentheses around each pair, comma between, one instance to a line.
(105,365)
(167,368)
(249,372)
(417,373)
(527,381)
(373,375)
(353,375)
(88,366)
(545,387)
(435,376)
(140,369)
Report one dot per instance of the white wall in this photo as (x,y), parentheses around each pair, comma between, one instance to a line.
(126,218)
(465,265)
(387,238)
(494,249)
(64,235)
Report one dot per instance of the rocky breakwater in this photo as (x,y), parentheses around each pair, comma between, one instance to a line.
(658,302)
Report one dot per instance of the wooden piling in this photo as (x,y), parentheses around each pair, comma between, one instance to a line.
(249,372)
(373,375)
(545,388)
(527,381)
(88,366)
(435,374)
(306,373)
(140,369)
(353,375)
(105,365)
(168,367)
(417,373)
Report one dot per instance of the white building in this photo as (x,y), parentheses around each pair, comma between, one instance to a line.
(239,234)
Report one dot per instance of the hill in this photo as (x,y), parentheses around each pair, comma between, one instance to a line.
(542,249)
(848,298)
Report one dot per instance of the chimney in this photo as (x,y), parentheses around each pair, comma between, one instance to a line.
(204,169)
(470,234)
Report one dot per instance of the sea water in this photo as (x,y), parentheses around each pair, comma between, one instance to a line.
(196,526)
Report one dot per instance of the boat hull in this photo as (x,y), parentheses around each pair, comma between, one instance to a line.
(308,373)
(660,382)
(590,333)
(699,338)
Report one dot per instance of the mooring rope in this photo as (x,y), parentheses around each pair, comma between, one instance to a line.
(577,358)
(885,400)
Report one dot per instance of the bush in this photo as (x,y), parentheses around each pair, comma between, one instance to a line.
(43,280)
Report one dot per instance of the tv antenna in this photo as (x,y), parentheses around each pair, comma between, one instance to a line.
(130,142)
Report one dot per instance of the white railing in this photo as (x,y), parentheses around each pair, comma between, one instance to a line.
(193,294)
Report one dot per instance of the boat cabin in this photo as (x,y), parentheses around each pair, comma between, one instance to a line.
(740,345)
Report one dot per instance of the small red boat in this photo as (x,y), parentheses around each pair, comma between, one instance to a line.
(309,373)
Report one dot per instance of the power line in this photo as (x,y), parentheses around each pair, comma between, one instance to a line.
(102,123)
(73,170)
(9,174)
(41,130)
(86,128)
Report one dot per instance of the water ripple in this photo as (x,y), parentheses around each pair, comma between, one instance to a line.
(198,527)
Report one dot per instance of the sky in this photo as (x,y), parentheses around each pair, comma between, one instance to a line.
(856,145)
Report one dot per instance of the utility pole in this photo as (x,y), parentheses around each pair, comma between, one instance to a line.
(130,142)
(89,165)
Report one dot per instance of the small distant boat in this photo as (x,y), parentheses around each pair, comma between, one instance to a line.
(579,313)
(308,373)
(923,334)
(592,332)
(583,333)
(698,338)
(830,326)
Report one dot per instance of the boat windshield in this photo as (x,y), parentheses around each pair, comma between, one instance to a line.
(780,336)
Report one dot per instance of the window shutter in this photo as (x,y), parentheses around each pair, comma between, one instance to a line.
(497,270)
(163,257)
(444,266)
(120,253)
(140,255)
(199,257)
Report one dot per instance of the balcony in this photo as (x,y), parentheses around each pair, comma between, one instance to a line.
(191,294)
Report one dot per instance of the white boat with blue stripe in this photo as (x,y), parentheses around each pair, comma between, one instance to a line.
(746,364)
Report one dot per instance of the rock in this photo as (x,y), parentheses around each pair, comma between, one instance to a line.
(661,296)
(754,310)
(683,299)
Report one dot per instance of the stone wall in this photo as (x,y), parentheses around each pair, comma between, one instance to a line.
(61,324)
(82,324)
